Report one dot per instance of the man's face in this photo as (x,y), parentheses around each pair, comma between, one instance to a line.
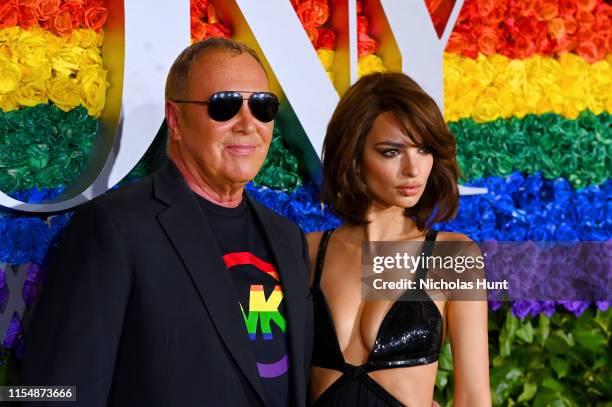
(230,152)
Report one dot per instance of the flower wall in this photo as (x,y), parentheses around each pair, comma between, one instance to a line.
(526,95)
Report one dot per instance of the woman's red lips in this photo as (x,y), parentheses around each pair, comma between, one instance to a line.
(409,189)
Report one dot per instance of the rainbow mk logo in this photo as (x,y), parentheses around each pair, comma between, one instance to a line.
(262,311)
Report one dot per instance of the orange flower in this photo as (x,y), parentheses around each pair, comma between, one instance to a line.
(27,18)
(326,39)
(547,10)
(567,7)
(488,40)
(44,9)
(61,22)
(95,17)
(556,28)
(313,13)
(313,34)
(586,5)
(75,8)
(9,13)
(366,45)
(485,6)
(198,30)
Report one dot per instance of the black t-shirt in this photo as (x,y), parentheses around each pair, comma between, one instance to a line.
(258,288)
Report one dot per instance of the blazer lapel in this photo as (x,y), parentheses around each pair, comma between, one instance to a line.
(197,247)
(294,289)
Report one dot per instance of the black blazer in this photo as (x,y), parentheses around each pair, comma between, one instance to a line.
(138,308)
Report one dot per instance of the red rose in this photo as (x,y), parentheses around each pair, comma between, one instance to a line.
(567,7)
(9,14)
(366,45)
(359,7)
(217,30)
(198,30)
(556,28)
(93,3)
(565,44)
(26,17)
(44,9)
(526,8)
(485,6)
(362,25)
(95,17)
(200,5)
(592,51)
(571,25)
(586,5)
(547,10)
(75,8)
(497,15)
(326,39)
(313,35)
(487,41)
(584,16)
(313,13)
(61,22)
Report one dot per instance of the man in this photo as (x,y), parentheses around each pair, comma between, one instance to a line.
(180,290)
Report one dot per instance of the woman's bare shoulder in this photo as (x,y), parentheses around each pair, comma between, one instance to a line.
(452,237)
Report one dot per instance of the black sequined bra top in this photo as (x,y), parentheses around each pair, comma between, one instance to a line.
(410,334)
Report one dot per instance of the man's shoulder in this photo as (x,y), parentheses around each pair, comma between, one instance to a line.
(280,222)
(125,201)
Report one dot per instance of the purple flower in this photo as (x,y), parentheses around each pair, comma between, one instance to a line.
(576,307)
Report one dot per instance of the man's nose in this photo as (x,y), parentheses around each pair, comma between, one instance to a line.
(245,122)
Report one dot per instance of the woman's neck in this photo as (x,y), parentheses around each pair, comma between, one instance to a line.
(388,224)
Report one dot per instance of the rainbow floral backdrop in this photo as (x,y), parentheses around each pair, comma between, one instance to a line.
(526,94)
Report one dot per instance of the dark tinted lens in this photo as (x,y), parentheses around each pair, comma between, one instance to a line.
(222,106)
(264,106)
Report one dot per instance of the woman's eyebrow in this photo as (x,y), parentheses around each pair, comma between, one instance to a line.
(393,144)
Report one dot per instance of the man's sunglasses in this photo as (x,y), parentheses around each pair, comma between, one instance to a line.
(222,106)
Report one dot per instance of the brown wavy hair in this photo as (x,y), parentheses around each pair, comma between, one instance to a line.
(344,189)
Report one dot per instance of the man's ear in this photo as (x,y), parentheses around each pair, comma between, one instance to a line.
(172,120)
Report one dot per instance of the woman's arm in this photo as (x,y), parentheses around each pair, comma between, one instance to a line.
(467,323)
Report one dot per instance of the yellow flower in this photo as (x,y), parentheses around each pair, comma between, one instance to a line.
(29,74)
(326,57)
(10,76)
(32,93)
(91,56)
(8,102)
(85,38)
(66,61)
(64,92)
(370,64)
(93,89)
(487,107)
(7,34)
(30,48)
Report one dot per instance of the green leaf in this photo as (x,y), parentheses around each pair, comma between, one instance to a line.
(593,340)
(445,361)
(529,391)
(552,384)
(525,332)
(441,379)
(507,334)
(543,328)
(560,365)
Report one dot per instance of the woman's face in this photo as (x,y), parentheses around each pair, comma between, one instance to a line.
(395,170)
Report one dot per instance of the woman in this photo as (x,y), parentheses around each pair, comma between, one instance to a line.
(388,161)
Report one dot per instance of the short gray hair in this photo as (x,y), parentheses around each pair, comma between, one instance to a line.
(178,77)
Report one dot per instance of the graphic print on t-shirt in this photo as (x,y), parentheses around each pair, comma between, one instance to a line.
(262,315)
